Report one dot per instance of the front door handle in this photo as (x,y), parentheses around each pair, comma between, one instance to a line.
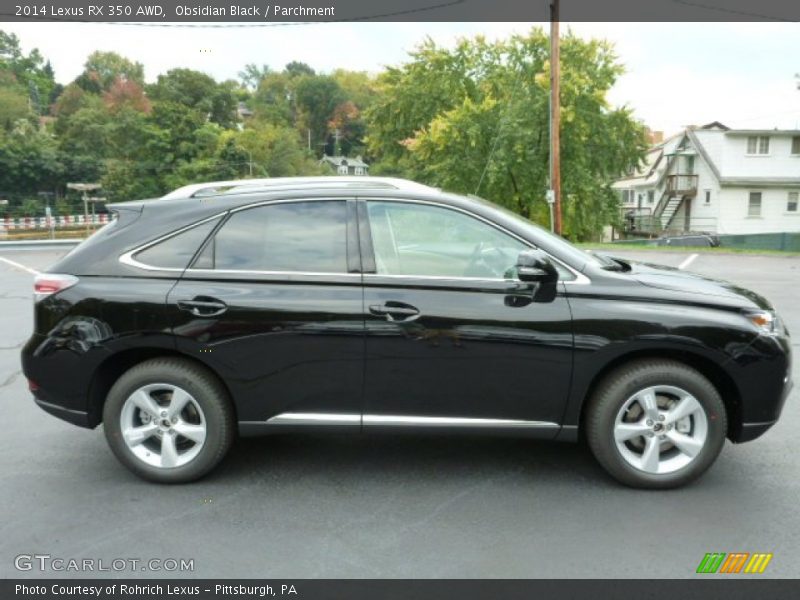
(395,311)
(203,306)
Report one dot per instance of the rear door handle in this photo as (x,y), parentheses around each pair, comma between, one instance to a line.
(395,311)
(203,306)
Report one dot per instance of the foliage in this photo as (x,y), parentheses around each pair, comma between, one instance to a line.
(316,99)
(102,69)
(474,119)
(198,91)
(31,72)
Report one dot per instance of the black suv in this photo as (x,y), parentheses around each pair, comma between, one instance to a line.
(369,304)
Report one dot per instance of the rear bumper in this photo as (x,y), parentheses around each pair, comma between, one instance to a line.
(76,417)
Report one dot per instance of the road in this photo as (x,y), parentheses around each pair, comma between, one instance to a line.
(420,507)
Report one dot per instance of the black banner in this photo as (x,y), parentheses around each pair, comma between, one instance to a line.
(731,588)
(266,13)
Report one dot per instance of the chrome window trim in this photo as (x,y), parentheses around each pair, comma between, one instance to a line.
(440,278)
(281,273)
(580,278)
(127,257)
(300,418)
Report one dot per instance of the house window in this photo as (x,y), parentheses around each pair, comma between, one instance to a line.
(651,196)
(343,170)
(359,170)
(754,205)
(708,196)
(791,203)
(796,145)
(758,144)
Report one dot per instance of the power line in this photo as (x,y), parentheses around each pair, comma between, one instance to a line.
(733,11)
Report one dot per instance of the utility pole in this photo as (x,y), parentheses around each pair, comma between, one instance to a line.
(336,135)
(84,188)
(555,119)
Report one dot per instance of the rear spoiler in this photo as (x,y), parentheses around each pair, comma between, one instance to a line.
(118,207)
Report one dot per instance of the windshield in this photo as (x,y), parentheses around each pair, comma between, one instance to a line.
(575,256)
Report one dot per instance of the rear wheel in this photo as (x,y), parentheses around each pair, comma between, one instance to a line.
(656,424)
(168,420)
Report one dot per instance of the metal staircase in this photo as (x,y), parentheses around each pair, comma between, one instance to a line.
(669,209)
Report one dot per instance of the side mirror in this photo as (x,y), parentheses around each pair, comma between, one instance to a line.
(534,266)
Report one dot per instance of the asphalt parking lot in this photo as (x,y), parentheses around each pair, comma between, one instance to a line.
(335,507)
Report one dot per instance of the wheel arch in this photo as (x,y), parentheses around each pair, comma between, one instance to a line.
(722,381)
(107,373)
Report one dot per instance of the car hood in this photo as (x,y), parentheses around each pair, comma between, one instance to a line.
(668,278)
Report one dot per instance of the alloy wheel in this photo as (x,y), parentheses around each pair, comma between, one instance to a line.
(660,429)
(163,425)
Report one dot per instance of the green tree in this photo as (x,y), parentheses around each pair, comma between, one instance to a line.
(31,71)
(102,69)
(273,101)
(298,69)
(13,106)
(275,151)
(196,90)
(316,99)
(252,75)
(30,161)
(474,119)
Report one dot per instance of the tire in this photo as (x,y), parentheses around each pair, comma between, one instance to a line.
(168,420)
(659,454)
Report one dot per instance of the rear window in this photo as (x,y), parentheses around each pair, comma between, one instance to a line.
(175,252)
(309,237)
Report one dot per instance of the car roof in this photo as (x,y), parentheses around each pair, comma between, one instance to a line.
(283,184)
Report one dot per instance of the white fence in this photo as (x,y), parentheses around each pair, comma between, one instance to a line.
(9,224)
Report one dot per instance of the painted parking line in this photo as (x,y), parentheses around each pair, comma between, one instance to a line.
(689,260)
(20,266)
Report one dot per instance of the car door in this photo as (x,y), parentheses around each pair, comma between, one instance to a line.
(273,303)
(453,339)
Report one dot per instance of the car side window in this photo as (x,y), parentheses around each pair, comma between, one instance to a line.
(423,240)
(176,251)
(308,237)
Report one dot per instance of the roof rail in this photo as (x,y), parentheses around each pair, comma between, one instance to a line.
(218,188)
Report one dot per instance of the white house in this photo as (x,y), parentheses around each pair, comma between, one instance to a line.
(718,180)
(346,166)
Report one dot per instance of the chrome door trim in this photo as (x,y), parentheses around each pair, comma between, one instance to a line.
(296,418)
(369,420)
(418,421)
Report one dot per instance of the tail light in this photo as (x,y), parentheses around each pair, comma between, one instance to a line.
(47,284)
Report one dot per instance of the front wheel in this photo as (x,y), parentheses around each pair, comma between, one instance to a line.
(656,424)
(168,420)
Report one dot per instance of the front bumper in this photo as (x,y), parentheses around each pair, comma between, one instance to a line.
(764,378)
(751,431)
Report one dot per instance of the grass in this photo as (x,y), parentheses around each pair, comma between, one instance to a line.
(685,249)
(44,234)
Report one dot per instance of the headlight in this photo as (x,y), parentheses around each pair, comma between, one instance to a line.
(765,320)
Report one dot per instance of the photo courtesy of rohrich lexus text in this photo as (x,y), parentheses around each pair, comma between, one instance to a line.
(379,300)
